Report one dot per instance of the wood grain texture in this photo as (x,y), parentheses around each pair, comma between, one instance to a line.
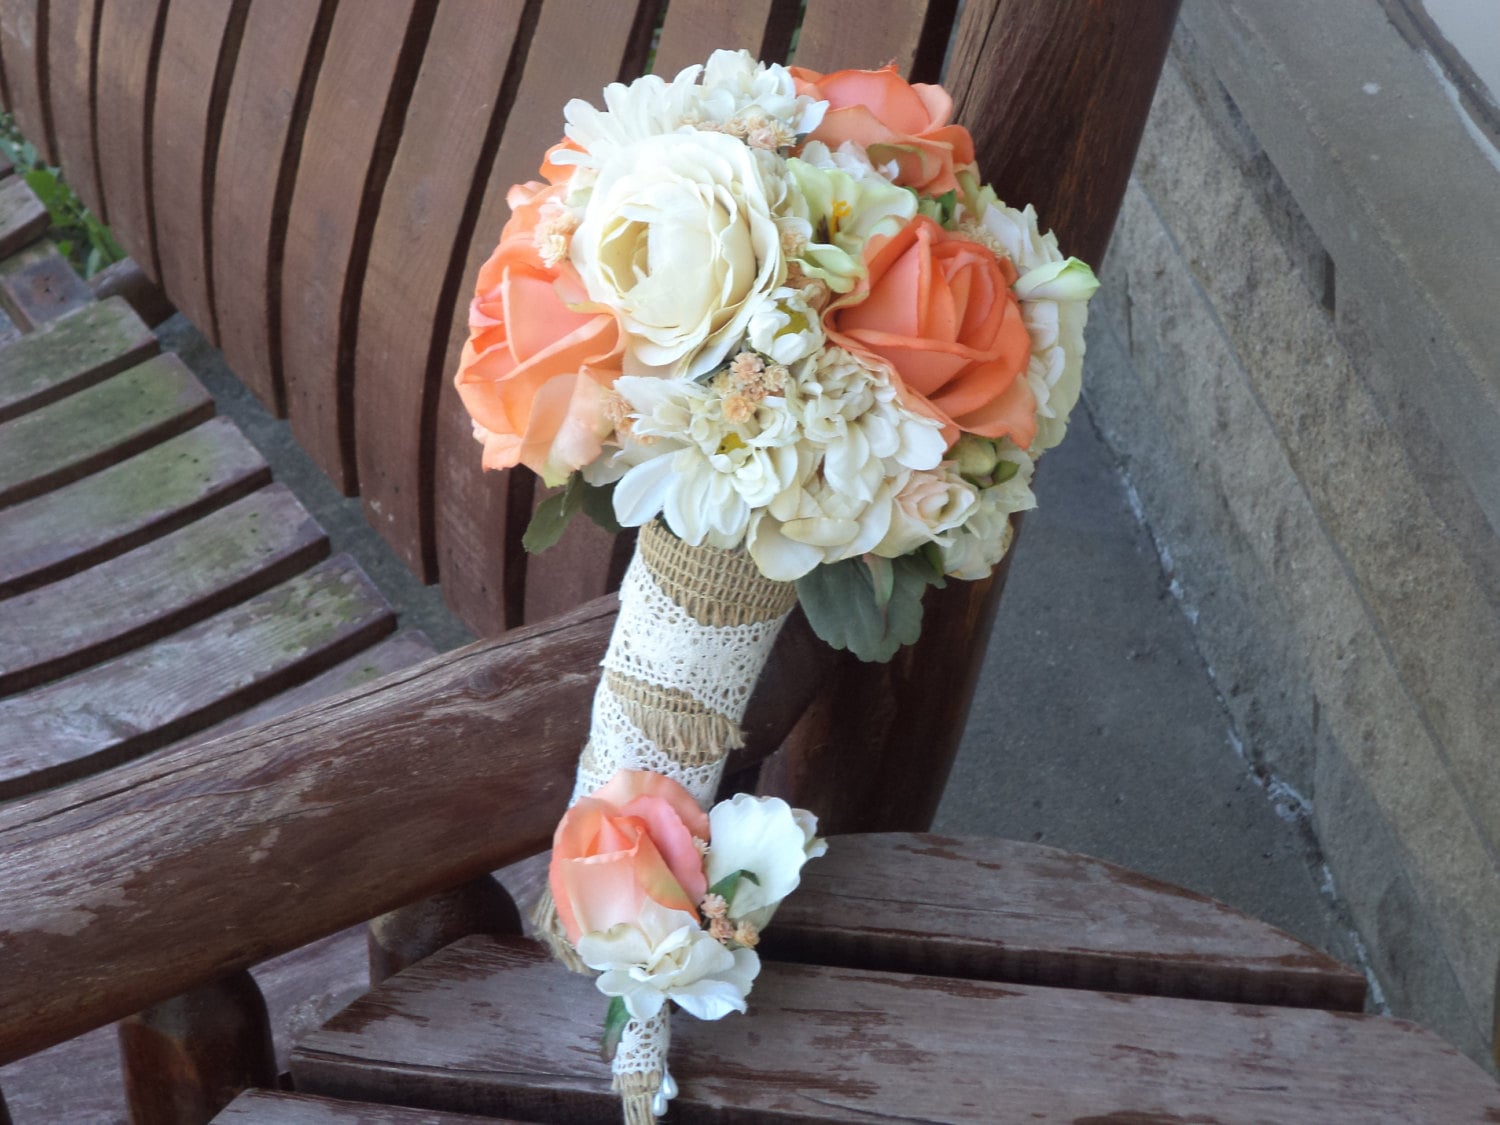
(363,80)
(574,570)
(265,1107)
(1056,118)
(1029,914)
(148,698)
(186,1058)
(23,43)
(846,1045)
(694,29)
(408,647)
(70,86)
(120,885)
(125,505)
(408,299)
(125,84)
(66,355)
(403,937)
(185,128)
(839,34)
(23,218)
(481,516)
(38,285)
(165,585)
(125,279)
(257,161)
(98,426)
(862,755)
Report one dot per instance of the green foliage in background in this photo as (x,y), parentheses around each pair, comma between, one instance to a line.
(80,237)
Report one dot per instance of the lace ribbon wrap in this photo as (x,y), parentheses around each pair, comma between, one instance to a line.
(695,628)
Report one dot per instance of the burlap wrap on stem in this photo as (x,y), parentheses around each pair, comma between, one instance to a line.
(696,625)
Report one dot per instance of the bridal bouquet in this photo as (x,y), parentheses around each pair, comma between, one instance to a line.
(775,319)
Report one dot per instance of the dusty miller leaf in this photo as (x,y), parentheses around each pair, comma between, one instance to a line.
(551,517)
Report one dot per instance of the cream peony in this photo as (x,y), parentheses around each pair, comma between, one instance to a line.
(678,239)
(665,955)
(768,837)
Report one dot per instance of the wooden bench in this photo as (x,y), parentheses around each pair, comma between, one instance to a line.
(315,186)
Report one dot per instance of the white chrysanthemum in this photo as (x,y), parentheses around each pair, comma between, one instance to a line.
(1054,293)
(682,458)
(974,547)
(787,328)
(678,239)
(768,838)
(744,94)
(648,107)
(665,955)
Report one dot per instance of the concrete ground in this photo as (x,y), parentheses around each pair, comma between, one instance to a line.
(1096,727)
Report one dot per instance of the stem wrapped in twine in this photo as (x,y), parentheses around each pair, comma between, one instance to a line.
(696,626)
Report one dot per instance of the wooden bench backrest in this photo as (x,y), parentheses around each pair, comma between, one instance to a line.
(316,183)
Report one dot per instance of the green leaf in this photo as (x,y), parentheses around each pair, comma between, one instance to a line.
(726,886)
(947,204)
(840,603)
(551,517)
(882,578)
(616,1016)
(1004,470)
(599,506)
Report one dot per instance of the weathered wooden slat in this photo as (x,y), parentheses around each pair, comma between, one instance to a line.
(126,280)
(200,37)
(98,426)
(1029,914)
(9,333)
(258,155)
(847,1045)
(403,937)
(64,356)
(465,762)
(125,505)
(38,285)
(186,1058)
(70,53)
(694,29)
(1074,105)
(265,1107)
(576,569)
(408,647)
(1016,76)
(411,283)
(23,42)
(839,34)
(481,516)
(371,50)
(125,87)
(165,585)
(23,218)
(148,698)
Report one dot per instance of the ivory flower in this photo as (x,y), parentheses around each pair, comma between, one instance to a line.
(766,836)
(928,505)
(665,955)
(678,239)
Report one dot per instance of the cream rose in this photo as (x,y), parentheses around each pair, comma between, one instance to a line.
(678,239)
(768,838)
(930,504)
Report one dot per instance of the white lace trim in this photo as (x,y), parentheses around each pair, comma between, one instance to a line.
(656,641)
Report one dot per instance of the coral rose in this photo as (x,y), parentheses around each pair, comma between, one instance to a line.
(627,842)
(938,310)
(540,358)
(893,120)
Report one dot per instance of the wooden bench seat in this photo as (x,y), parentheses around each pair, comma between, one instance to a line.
(153,581)
(935,980)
